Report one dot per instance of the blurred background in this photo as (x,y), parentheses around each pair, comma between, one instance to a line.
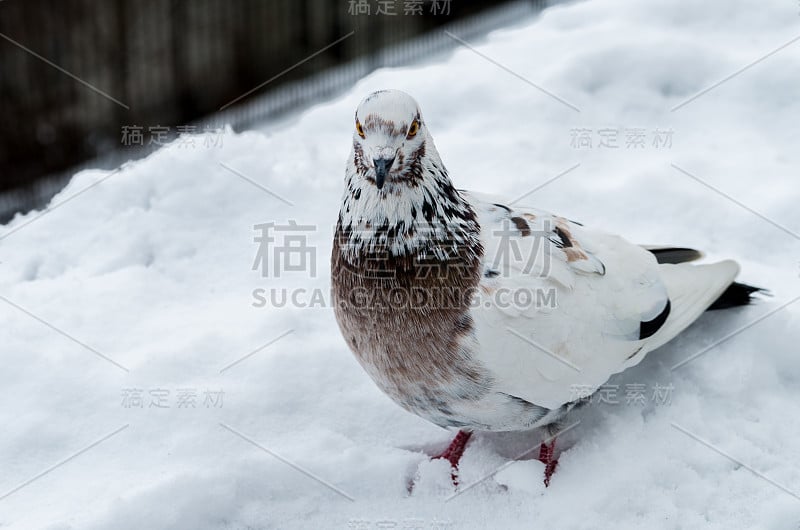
(89,83)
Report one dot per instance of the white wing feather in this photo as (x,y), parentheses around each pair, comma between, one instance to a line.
(594,290)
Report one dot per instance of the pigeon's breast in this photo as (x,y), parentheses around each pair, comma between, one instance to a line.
(409,325)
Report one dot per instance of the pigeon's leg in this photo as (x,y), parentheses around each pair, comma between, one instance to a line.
(452,454)
(454,451)
(547,457)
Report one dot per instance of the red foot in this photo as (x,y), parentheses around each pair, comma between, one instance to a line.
(454,451)
(547,457)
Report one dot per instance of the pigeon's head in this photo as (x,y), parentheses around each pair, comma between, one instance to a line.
(389,138)
(398,195)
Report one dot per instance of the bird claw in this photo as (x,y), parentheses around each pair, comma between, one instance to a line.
(547,457)
(454,452)
(456,449)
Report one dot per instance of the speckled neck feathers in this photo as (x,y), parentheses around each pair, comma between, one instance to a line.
(417,213)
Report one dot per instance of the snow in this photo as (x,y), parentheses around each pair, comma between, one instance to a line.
(152,268)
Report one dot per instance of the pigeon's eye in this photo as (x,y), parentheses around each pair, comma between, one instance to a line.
(412,131)
(360,129)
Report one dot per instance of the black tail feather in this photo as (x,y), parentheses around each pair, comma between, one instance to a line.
(736,294)
(675,254)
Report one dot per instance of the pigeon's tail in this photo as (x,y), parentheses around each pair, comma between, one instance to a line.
(735,295)
(692,289)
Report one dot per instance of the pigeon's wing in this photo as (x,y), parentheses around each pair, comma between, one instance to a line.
(561,308)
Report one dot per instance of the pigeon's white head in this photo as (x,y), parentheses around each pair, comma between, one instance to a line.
(389,139)
(397,193)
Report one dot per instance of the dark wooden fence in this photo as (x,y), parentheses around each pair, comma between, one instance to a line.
(75,73)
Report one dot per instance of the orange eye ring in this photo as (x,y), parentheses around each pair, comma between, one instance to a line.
(360,129)
(412,131)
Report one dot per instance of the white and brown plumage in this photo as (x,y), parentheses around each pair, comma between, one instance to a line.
(418,270)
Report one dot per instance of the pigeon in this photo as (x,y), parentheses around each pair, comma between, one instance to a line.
(479,315)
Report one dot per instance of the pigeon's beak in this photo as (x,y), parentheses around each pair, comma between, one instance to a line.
(382,166)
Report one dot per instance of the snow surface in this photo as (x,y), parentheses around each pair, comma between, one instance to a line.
(152,268)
